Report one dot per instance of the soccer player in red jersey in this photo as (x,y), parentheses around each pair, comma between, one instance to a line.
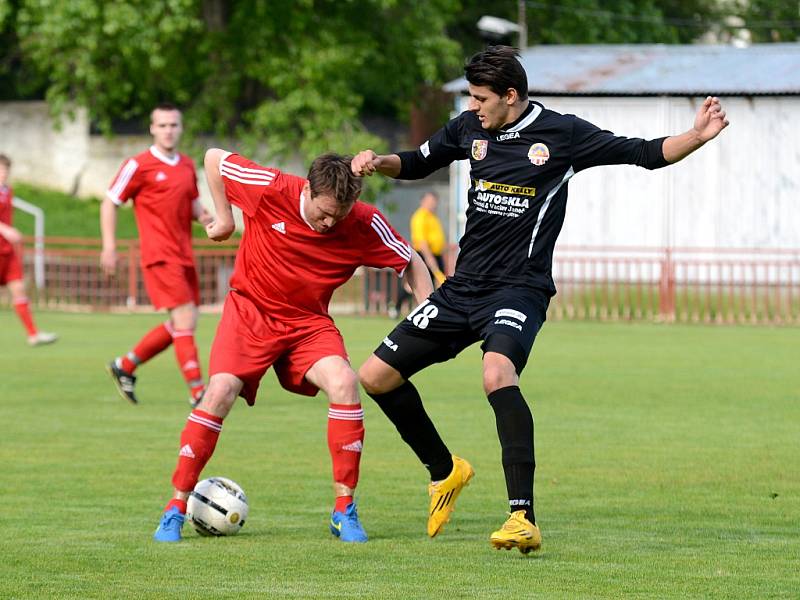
(10,262)
(303,239)
(163,186)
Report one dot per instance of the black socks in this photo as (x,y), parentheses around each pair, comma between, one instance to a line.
(515,431)
(404,408)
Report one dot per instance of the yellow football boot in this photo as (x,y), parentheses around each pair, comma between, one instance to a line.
(444,493)
(517,532)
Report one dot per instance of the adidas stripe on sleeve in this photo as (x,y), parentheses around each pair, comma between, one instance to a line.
(386,247)
(246,181)
(124,184)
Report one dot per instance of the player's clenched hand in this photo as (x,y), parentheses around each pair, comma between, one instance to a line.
(365,162)
(710,119)
(220,229)
(108,261)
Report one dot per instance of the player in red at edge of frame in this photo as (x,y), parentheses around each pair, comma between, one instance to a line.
(303,238)
(11,274)
(163,185)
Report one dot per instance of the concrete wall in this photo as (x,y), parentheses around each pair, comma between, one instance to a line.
(42,153)
(740,191)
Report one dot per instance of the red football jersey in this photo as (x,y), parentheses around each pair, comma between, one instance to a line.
(283,264)
(163,190)
(6,216)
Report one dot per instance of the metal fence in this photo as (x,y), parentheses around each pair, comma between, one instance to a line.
(688,285)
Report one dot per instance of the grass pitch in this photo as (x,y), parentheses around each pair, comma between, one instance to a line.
(667,468)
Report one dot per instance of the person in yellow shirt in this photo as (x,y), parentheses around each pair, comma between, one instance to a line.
(427,238)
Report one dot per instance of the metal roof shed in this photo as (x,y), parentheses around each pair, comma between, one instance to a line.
(740,191)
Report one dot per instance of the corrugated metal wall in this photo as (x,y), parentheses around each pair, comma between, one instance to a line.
(742,190)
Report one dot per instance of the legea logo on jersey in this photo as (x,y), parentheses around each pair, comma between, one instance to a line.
(479,149)
(508,136)
(538,154)
(161,176)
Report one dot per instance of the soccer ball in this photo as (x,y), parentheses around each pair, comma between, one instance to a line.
(217,506)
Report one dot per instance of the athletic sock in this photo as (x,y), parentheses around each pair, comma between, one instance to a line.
(342,502)
(345,441)
(23,308)
(198,440)
(404,408)
(154,342)
(186,353)
(179,504)
(515,431)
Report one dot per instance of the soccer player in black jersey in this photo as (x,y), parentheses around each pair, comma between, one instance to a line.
(521,156)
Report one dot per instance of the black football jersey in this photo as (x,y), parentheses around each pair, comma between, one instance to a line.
(518,186)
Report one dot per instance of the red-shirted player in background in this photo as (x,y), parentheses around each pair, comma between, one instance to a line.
(10,263)
(302,240)
(163,185)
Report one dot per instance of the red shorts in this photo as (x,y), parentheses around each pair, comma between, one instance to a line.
(170,285)
(248,342)
(10,268)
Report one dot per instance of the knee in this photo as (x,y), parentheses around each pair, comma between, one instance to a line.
(496,377)
(377,379)
(343,387)
(219,397)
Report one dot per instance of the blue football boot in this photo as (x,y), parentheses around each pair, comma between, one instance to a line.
(169,529)
(346,526)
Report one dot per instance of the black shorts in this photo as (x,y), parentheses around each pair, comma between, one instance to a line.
(460,313)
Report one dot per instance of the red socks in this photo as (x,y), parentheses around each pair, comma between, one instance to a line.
(186,353)
(345,441)
(154,341)
(198,440)
(179,504)
(23,309)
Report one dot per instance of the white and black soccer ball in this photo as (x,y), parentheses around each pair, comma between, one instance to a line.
(217,506)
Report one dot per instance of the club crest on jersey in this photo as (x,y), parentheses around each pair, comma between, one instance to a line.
(538,154)
(479,148)
(161,176)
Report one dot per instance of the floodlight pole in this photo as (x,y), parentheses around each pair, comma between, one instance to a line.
(523,24)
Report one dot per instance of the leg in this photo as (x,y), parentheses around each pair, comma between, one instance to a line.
(336,378)
(184,322)
(513,318)
(400,402)
(197,443)
(22,307)
(121,369)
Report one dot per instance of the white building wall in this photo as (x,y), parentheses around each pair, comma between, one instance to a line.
(740,191)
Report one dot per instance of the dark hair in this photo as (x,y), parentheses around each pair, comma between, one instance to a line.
(166,106)
(163,106)
(331,174)
(4,160)
(499,69)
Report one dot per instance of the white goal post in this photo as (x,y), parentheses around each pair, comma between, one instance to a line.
(38,236)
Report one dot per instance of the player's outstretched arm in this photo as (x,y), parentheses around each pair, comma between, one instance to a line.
(708,123)
(108,231)
(222,225)
(367,162)
(418,278)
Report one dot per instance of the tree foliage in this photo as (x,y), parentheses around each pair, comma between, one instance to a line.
(284,76)
(298,76)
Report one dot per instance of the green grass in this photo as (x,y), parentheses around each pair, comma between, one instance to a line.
(667,468)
